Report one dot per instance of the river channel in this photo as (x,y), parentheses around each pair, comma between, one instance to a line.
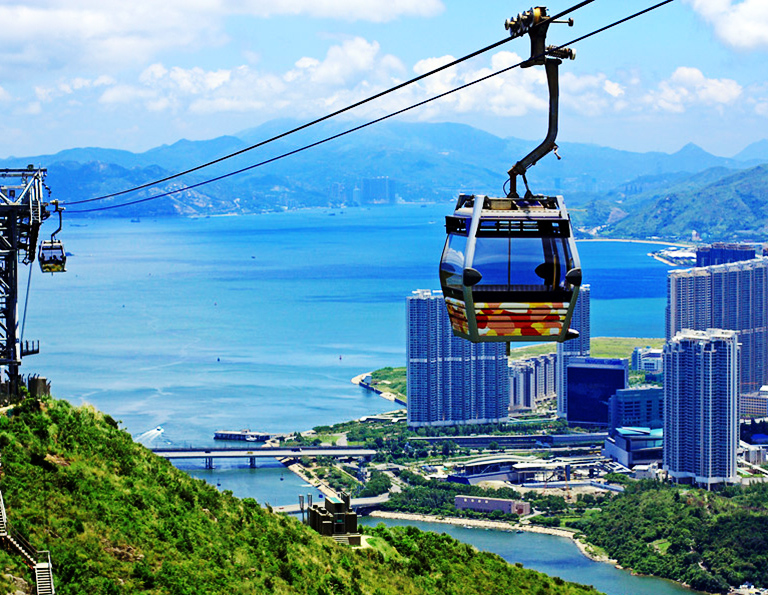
(555,556)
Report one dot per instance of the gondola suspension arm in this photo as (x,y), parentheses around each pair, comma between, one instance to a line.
(550,57)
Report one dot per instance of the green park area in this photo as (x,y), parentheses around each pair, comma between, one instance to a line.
(393,380)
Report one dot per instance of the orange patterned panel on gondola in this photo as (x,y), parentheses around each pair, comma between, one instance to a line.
(511,319)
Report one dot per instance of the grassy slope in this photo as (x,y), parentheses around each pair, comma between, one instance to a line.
(390,380)
(600,347)
(118,519)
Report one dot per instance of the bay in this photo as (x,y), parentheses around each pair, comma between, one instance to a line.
(197,325)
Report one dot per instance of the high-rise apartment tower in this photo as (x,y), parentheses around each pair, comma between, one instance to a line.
(730,296)
(450,380)
(701,422)
(574,348)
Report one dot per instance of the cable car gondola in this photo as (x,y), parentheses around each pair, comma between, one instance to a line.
(52,257)
(510,270)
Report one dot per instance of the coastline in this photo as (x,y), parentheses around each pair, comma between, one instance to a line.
(584,548)
(358,380)
(319,485)
(630,241)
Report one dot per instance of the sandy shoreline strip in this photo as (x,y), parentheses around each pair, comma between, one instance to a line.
(497,525)
(298,470)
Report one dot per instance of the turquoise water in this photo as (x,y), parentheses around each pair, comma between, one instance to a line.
(555,556)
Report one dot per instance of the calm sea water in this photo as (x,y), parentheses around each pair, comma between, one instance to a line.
(197,325)
(555,556)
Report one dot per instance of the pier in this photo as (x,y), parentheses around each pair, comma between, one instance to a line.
(209,454)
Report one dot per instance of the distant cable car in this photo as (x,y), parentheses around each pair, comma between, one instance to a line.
(52,257)
(510,270)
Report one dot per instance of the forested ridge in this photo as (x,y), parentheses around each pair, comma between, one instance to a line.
(708,540)
(118,519)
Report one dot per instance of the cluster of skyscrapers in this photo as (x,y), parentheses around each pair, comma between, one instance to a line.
(715,357)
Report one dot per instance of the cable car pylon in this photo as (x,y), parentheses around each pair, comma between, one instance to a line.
(22,212)
(510,270)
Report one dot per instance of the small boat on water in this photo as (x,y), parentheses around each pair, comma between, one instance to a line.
(247,435)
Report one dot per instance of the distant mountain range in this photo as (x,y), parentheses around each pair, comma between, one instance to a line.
(609,191)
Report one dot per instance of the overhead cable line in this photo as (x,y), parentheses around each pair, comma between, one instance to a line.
(365,125)
(331,115)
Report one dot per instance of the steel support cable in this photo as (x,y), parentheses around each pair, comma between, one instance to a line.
(365,125)
(331,115)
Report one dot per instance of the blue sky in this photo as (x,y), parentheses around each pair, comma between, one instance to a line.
(134,75)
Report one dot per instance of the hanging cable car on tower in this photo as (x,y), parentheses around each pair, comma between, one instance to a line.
(510,270)
(52,257)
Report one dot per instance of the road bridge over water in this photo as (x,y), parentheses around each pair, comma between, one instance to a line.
(209,454)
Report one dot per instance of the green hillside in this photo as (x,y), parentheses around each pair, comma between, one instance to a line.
(708,540)
(118,519)
(731,207)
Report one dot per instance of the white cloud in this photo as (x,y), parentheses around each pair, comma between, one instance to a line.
(688,86)
(4,95)
(613,89)
(741,24)
(378,11)
(355,69)
(345,61)
(70,87)
(52,34)
(126,94)
(195,80)
(153,73)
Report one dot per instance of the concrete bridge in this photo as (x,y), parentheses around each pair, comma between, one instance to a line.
(209,454)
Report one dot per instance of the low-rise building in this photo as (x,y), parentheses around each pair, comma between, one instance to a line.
(754,404)
(635,446)
(646,359)
(481,504)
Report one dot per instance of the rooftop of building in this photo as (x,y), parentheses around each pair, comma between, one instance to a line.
(597,361)
(639,388)
(426,293)
(639,431)
(707,335)
(728,266)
